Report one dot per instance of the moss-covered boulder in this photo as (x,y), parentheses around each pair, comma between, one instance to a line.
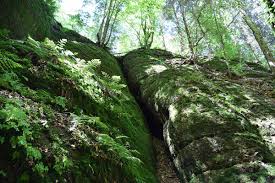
(25,18)
(67,115)
(34,18)
(217,129)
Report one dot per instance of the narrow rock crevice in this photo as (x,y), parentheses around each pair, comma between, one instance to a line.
(165,168)
(155,127)
(166,171)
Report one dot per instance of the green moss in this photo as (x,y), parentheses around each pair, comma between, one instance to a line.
(85,123)
(26,17)
(120,106)
(213,122)
(239,173)
(90,51)
(235,67)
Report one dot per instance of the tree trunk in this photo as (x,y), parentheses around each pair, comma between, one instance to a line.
(260,40)
(99,33)
(221,35)
(162,35)
(179,29)
(108,22)
(187,31)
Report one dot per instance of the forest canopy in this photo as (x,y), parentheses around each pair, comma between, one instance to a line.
(139,91)
(234,29)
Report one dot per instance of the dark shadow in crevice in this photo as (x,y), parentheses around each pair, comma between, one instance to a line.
(155,125)
(151,118)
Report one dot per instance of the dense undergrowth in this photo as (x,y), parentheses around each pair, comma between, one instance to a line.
(66,119)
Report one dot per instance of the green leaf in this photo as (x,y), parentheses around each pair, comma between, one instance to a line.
(22,140)
(2,140)
(15,155)
(2,173)
(24,177)
(40,168)
(61,101)
(33,153)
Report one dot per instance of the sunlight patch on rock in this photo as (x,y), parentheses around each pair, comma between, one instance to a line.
(156,69)
(74,124)
(214,144)
(184,92)
(173,112)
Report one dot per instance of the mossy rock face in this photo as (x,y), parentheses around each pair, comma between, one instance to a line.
(213,125)
(34,18)
(234,67)
(67,115)
(59,32)
(246,172)
(23,18)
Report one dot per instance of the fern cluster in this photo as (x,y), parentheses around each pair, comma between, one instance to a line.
(75,122)
(4,33)
(8,61)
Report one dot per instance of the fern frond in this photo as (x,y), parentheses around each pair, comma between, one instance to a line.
(7,61)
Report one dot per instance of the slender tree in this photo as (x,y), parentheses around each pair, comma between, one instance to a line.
(111,9)
(260,39)
(149,12)
(186,27)
(178,26)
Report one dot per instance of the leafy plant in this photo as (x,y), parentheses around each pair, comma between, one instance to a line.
(38,110)
(2,173)
(62,162)
(121,151)
(16,120)
(4,33)
(8,61)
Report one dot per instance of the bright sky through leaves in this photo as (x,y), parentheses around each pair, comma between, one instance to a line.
(70,7)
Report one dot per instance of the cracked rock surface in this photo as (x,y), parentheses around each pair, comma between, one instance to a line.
(217,128)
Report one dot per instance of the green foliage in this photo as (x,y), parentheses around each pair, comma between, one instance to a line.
(271,10)
(40,168)
(62,162)
(123,153)
(9,80)
(93,122)
(143,17)
(238,69)
(2,173)
(52,6)
(55,108)
(24,177)
(60,101)
(8,61)
(4,33)
(14,119)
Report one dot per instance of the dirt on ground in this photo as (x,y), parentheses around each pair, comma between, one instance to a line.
(165,168)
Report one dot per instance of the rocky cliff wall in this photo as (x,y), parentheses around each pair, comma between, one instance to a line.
(217,129)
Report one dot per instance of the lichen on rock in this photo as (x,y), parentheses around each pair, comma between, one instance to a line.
(214,126)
